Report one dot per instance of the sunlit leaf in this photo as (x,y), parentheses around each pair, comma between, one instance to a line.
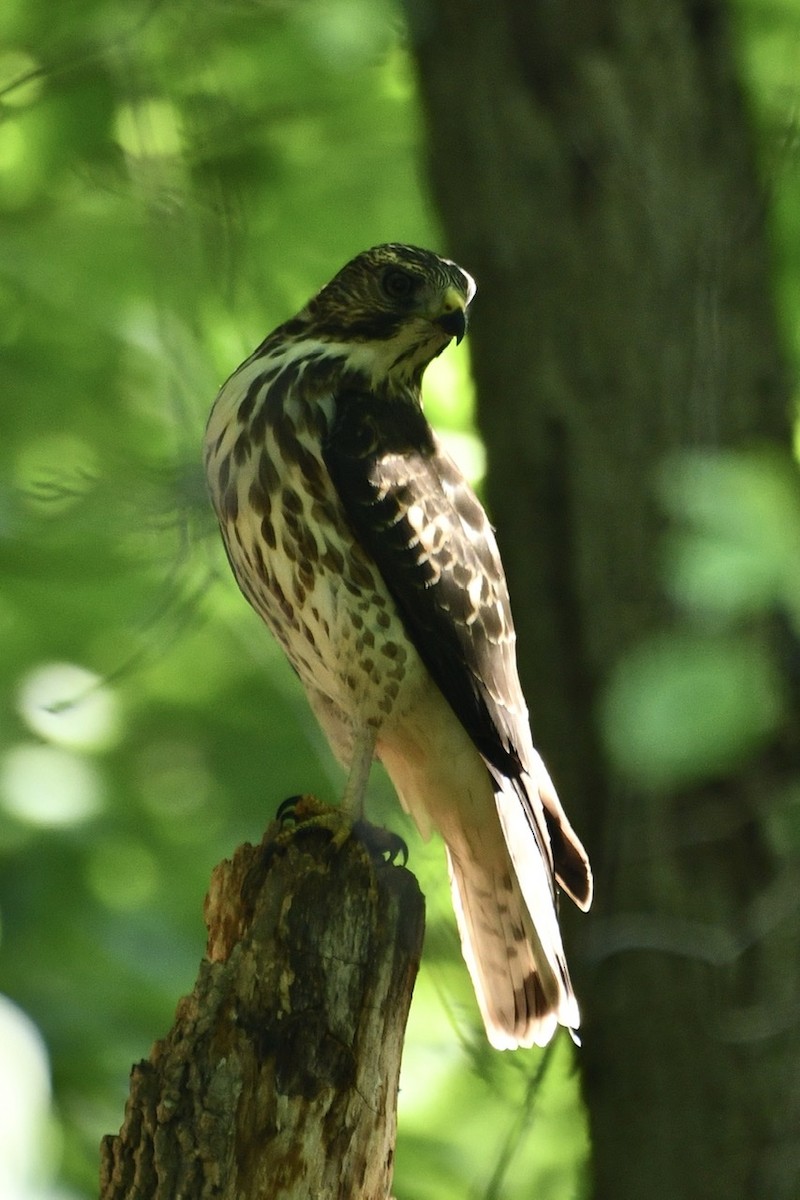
(684,707)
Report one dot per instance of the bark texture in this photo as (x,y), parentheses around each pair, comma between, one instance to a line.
(278,1080)
(594,170)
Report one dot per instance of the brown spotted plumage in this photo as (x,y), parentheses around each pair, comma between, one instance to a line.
(358,541)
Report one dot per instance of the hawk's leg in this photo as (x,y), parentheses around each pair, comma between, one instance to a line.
(356,787)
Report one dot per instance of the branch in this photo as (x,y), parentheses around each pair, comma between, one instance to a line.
(279,1077)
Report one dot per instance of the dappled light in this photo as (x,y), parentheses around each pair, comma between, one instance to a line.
(175,181)
(69,706)
(49,786)
(28,1134)
(734,549)
(731,555)
(122,873)
(720,696)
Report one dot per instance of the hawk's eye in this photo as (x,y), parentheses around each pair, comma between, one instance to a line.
(398,284)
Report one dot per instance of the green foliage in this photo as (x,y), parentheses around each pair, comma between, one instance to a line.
(698,700)
(174,180)
(768,43)
(735,549)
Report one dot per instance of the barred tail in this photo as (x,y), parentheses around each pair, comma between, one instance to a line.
(512,945)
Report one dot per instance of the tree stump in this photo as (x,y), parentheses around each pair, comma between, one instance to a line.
(279,1077)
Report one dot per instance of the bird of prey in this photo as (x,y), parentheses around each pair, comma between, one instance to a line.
(356,538)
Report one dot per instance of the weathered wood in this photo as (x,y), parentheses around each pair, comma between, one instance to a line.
(278,1080)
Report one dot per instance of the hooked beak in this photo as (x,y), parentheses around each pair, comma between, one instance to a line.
(452,317)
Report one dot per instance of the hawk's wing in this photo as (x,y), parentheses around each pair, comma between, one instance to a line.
(414,513)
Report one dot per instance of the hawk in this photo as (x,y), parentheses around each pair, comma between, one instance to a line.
(356,538)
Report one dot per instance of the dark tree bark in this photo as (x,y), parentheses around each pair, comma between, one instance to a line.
(594,169)
(279,1078)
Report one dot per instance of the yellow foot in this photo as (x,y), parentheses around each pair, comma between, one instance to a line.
(308,811)
(297,809)
(383,846)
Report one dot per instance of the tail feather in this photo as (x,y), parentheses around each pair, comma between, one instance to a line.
(516,990)
(503,864)
(510,939)
(570,860)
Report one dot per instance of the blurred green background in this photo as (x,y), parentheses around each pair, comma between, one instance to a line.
(175,179)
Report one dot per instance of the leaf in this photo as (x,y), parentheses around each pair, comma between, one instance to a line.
(684,707)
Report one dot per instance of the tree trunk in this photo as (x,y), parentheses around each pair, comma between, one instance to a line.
(279,1078)
(595,172)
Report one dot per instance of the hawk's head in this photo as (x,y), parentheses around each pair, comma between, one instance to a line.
(395,307)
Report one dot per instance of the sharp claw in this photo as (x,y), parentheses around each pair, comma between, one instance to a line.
(298,808)
(286,810)
(384,846)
